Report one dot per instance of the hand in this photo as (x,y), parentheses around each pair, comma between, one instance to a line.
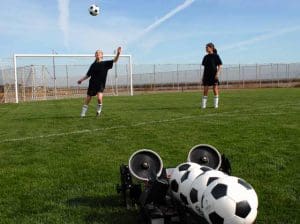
(217,77)
(119,50)
(79,82)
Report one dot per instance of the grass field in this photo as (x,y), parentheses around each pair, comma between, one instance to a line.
(58,168)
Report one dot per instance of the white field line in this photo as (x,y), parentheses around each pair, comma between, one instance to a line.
(227,114)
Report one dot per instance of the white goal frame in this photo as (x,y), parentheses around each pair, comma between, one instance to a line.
(62,56)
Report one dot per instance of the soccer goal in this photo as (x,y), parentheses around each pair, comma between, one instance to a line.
(54,76)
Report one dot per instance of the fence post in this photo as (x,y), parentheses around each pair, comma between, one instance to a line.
(54,76)
(227,82)
(256,73)
(116,80)
(173,80)
(23,86)
(16,79)
(33,82)
(178,77)
(44,82)
(259,76)
(185,78)
(154,73)
(277,74)
(272,74)
(131,75)
(288,74)
(243,71)
(67,76)
(239,75)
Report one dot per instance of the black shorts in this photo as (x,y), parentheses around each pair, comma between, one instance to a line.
(94,89)
(210,81)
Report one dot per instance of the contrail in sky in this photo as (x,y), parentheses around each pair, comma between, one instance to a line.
(63,19)
(170,14)
(160,21)
(260,38)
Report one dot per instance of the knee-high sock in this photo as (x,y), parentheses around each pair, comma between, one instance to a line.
(99,108)
(204,101)
(216,101)
(84,110)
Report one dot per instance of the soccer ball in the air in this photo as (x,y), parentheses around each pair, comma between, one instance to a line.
(177,177)
(229,200)
(94,10)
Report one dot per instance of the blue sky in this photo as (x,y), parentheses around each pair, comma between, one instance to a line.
(156,31)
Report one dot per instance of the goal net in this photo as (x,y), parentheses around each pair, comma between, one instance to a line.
(55,76)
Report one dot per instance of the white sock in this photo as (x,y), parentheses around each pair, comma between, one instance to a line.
(99,108)
(216,101)
(204,101)
(84,110)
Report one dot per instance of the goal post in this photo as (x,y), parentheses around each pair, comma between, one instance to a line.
(53,76)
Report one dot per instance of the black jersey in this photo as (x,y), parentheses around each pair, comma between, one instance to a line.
(210,63)
(98,73)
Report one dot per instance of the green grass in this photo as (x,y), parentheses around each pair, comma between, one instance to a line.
(58,168)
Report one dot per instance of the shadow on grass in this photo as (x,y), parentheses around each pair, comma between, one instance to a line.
(119,217)
(106,209)
(95,202)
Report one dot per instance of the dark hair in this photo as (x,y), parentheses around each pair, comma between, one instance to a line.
(211,45)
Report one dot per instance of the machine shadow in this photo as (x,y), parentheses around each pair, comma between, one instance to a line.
(105,209)
(95,202)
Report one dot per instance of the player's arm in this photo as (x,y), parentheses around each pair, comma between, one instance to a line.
(82,79)
(219,68)
(118,54)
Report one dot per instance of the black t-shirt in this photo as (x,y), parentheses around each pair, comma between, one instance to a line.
(98,71)
(210,63)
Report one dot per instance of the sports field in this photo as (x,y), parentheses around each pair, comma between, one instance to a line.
(58,168)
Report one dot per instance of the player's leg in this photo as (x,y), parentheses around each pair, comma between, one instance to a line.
(100,101)
(85,106)
(216,98)
(204,98)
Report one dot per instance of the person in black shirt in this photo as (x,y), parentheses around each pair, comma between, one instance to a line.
(212,67)
(97,74)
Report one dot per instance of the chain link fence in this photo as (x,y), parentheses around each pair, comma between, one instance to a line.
(41,82)
(184,77)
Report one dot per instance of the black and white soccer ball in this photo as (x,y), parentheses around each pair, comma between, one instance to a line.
(177,177)
(186,181)
(230,200)
(199,185)
(94,10)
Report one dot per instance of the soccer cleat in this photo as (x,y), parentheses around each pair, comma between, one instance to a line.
(98,113)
